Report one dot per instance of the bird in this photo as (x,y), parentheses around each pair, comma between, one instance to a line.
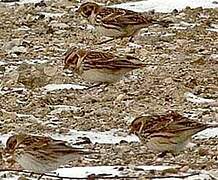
(114,22)
(166,133)
(41,154)
(100,67)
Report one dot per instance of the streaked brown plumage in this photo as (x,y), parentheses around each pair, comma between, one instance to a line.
(114,22)
(101,67)
(170,132)
(41,154)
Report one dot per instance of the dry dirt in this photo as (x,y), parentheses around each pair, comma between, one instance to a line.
(185,60)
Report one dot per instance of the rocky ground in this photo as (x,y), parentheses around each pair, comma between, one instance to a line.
(33,41)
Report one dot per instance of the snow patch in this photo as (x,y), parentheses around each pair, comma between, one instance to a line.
(55,87)
(107,137)
(199,100)
(165,5)
(207,133)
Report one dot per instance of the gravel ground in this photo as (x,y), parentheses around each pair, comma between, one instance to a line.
(184,57)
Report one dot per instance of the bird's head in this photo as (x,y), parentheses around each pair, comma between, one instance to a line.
(88,8)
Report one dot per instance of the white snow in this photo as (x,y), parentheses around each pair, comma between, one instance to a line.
(198,100)
(83,172)
(4,138)
(60,108)
(107,137)
(49,14)
(134,45)
(23,2)
(214,57)
(54,87)
(2,63)
(112,171)
(165,5)
(207,133)
(104,171)
(212,29)
(29,1)
(157,5)
(11,90)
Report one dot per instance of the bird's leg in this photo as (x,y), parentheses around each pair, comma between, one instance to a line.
(40,176)
(31,174)
(95,85)
(100,88)
(106,41)
(174,155)
(131,39)
(162,154)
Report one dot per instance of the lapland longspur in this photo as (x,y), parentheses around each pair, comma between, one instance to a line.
(41,154)
(114,22)
(100,67)
(170,132)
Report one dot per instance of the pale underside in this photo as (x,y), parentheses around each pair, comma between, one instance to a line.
(172,138)
(170,142)
(41,163)
(104,75)
(118,32)
(161,144)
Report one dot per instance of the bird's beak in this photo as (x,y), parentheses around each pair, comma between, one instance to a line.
(77,10)
(6,153)
(131,131)
(65,67)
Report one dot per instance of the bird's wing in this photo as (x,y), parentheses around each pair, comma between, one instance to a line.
(110,61)
(122,18)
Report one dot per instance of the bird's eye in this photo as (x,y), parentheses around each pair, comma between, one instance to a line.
(87,10)
(72,60)
(137,126)
(11,143)
(88,13)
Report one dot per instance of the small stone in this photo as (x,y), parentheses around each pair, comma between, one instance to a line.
(119,97)
(175,11)
(50,70)
(55,24)
(203,151)
(170,170)
(123,142)
(22,178)
(18,49)
(9,45)
(184,169)
(6,1)
(121,168)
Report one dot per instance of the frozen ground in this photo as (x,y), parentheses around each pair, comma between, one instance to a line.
(157,5)
(64,110)
(166,6)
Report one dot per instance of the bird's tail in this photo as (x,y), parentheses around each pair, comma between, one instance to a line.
(212,125)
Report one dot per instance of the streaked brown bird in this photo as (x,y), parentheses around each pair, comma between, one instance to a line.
(100,67)
(170,132)
(41,154)
(114,22)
